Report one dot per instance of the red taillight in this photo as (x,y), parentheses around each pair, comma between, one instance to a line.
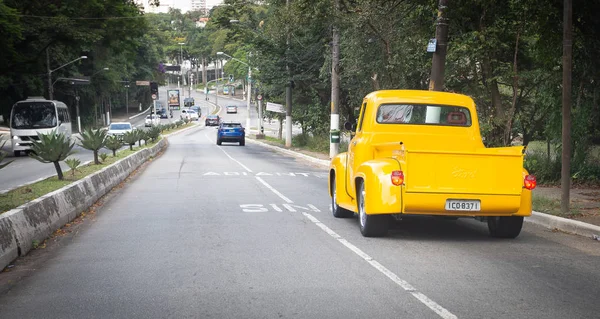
(530,182)
(397,178)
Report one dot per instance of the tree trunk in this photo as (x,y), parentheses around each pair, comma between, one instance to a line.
(131,147)
(58,170)
(375,82)
(114,153)
(511,113)
(96,158)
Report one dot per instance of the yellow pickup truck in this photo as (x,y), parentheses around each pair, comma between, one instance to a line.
(421,153)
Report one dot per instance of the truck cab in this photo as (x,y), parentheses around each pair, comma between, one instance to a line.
(421,153)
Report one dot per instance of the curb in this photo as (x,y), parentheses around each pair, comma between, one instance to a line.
(141,113)
(37,219)
(564,224)
(324,163)
(541,219)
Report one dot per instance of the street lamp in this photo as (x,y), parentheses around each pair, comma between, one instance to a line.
(249,87)
(50,84)
(181,44)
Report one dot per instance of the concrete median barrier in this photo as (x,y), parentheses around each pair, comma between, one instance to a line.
(38,219)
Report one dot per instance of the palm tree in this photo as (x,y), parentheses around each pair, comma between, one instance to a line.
(2,153)
(93,140)
(113,143)
(130,138)
(52,148)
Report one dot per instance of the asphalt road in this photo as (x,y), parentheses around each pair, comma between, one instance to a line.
(24,170)
(241,232)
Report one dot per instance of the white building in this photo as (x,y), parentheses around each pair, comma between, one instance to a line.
(164,6)
(199,5)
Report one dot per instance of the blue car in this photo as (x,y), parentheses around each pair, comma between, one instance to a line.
(231,132)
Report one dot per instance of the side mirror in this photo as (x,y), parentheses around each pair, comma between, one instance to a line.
(349,126)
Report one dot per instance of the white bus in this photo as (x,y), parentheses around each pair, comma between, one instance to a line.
(37,115)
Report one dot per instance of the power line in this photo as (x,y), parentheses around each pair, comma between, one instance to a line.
(71,18)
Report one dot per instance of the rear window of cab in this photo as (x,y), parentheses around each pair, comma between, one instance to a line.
(422,114)
(232,125)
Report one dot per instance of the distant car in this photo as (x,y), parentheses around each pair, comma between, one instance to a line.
(152,120)
(231,132)
(188,102)
(118,129)
(198,110)
(189,114)
(231,109)
(212,120)
(163,113)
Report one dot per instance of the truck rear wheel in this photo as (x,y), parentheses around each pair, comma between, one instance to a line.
(505,226)
(370,225)
(338,212)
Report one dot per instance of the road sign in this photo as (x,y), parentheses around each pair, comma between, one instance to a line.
(154,96)
(259,97)
(432,45)
(274,107)
(142,83)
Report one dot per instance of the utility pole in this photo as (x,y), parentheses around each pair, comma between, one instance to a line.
(217,82)
(288,90)
(565,179)
(334,142)
(77,110)
(127,99)
(249,96)
(50,89)
(436,81)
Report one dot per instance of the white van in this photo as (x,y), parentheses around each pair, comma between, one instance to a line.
(37,115)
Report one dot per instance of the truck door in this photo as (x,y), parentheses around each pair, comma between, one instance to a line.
(352,163)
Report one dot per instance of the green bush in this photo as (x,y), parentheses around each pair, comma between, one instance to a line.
(548,170)
(103,157)
(93,140)
(2,153)
(73,164)
(153,133)
(130,138)
(113,143)
(52,148)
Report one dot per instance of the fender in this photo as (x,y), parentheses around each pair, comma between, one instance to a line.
(337,168)
(526,206)
(382,197)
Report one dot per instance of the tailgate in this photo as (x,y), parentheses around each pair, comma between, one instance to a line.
(490,171)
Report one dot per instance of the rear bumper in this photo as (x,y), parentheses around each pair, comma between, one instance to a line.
(231,138)
(491,205)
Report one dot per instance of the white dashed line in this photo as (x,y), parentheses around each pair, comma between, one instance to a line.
(274,190)
(233,159)
(441,311)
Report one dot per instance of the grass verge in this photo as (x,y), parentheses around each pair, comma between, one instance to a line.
(22,195)
(552,206)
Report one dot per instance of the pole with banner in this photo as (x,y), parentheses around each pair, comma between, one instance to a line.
(261,130)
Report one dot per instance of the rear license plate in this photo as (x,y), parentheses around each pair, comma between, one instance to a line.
(463,205)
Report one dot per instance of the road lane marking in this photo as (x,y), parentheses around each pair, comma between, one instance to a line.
(438,309)
(289,201)
(441,311)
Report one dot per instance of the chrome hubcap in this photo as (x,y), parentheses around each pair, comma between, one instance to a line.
(361,209)
(333,199)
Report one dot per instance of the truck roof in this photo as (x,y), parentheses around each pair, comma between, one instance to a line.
(421,97)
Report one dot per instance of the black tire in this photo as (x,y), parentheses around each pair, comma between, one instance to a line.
(218,142)
(370,225)
(17,153)
(338,212)
(505,227)
(243,142)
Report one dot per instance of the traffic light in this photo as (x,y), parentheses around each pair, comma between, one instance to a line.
(153,88)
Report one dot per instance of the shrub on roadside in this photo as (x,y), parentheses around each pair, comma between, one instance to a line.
(2,153)
(93,140)
(103,157)
(52,148)
(130,138)
(73,164)
(113,143)
(154,133)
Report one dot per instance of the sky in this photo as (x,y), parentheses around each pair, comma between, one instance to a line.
(185,5)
